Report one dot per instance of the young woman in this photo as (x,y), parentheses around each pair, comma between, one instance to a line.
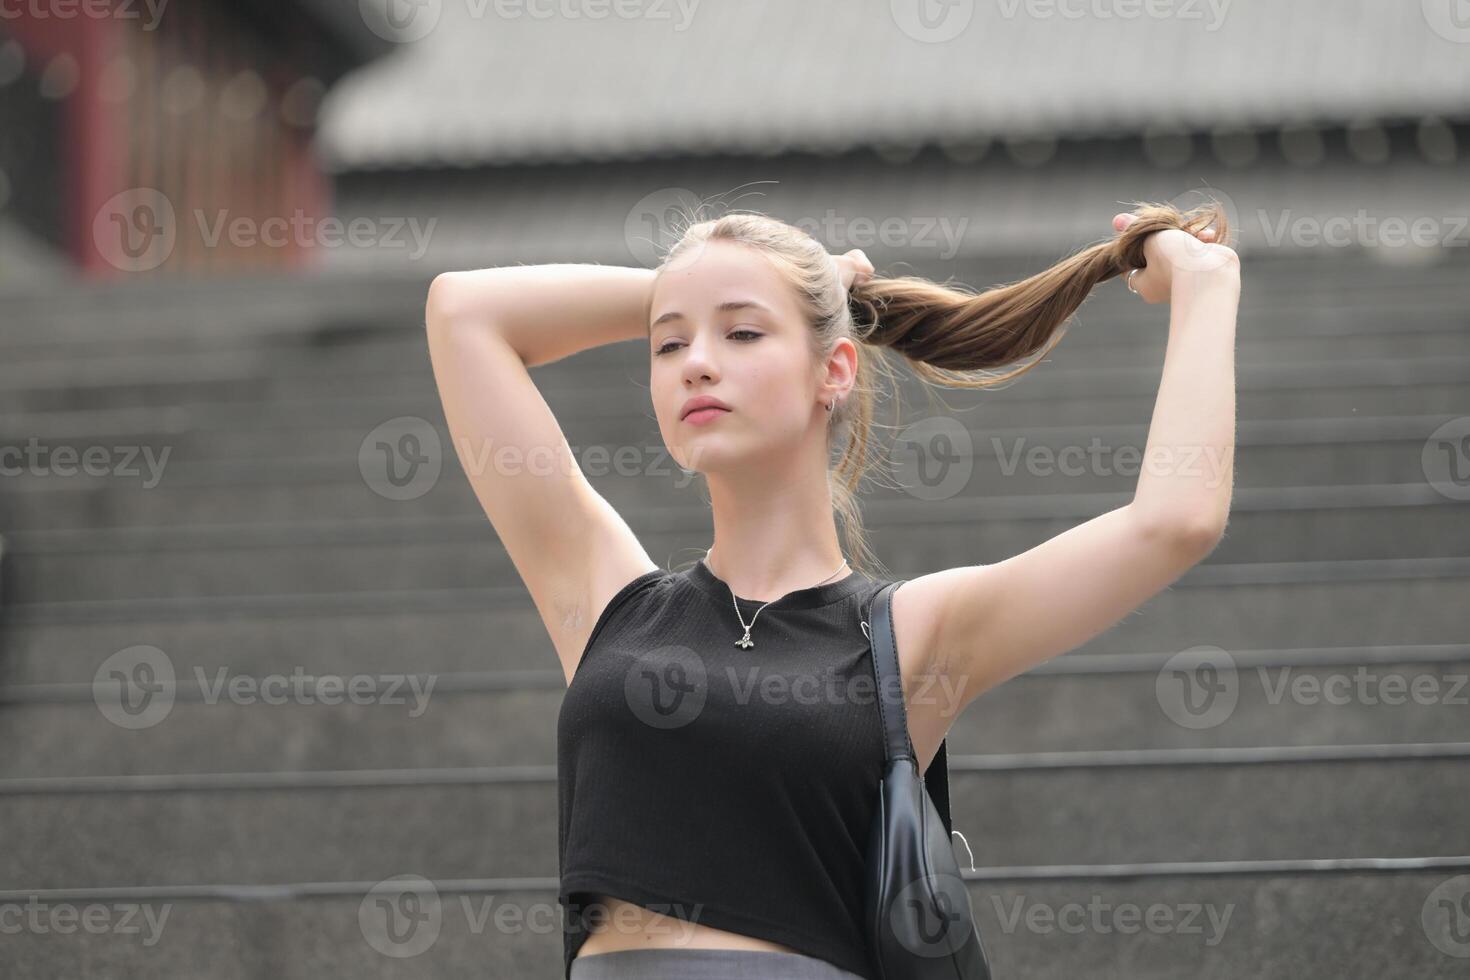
(712,818)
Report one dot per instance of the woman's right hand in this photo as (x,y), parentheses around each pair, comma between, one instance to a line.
(1174,252)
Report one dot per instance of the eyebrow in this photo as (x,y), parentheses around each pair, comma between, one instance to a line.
(729,306)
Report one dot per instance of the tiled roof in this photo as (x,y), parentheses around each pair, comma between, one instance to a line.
(776,75)
(927,211)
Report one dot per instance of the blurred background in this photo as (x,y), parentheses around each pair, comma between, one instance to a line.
(274,701)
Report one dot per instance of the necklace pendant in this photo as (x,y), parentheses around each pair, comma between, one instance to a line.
(745,641)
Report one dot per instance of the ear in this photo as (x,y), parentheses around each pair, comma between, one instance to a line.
(840,370)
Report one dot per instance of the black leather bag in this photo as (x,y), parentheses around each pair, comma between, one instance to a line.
(919,922)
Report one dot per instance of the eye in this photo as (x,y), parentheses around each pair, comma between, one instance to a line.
(752,334)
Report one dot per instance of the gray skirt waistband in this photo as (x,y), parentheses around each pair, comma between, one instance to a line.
(682,963)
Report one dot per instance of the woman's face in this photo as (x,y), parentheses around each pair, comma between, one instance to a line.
(724,324)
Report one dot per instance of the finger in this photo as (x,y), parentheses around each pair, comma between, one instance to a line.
(1122,221)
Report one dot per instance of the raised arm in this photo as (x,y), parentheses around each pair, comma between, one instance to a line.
(981,625)
(486,328)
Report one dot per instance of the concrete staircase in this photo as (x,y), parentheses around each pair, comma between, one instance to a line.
(239,534)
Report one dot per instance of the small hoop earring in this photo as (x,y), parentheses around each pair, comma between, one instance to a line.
(830,404)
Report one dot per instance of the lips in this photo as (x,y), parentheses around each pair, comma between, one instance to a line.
(701,415)
(706,406)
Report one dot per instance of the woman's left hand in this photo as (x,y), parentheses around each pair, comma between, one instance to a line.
(853,266)
(1174,250)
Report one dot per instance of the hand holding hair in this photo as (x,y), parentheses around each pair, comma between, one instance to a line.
(1189,248)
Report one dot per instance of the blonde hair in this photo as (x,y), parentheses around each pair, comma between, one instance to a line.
(949,335)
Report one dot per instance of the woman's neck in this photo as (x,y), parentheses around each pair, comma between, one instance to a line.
(774,538)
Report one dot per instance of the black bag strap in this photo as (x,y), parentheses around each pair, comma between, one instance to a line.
(897,744)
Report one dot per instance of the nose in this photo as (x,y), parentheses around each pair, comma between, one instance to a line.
(698,362)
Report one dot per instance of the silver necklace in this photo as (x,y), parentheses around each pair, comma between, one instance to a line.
(745,642)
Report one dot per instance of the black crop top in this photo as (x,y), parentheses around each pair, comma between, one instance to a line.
(727,786)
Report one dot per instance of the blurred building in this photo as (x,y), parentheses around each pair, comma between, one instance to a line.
(997,128)
(136,133)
